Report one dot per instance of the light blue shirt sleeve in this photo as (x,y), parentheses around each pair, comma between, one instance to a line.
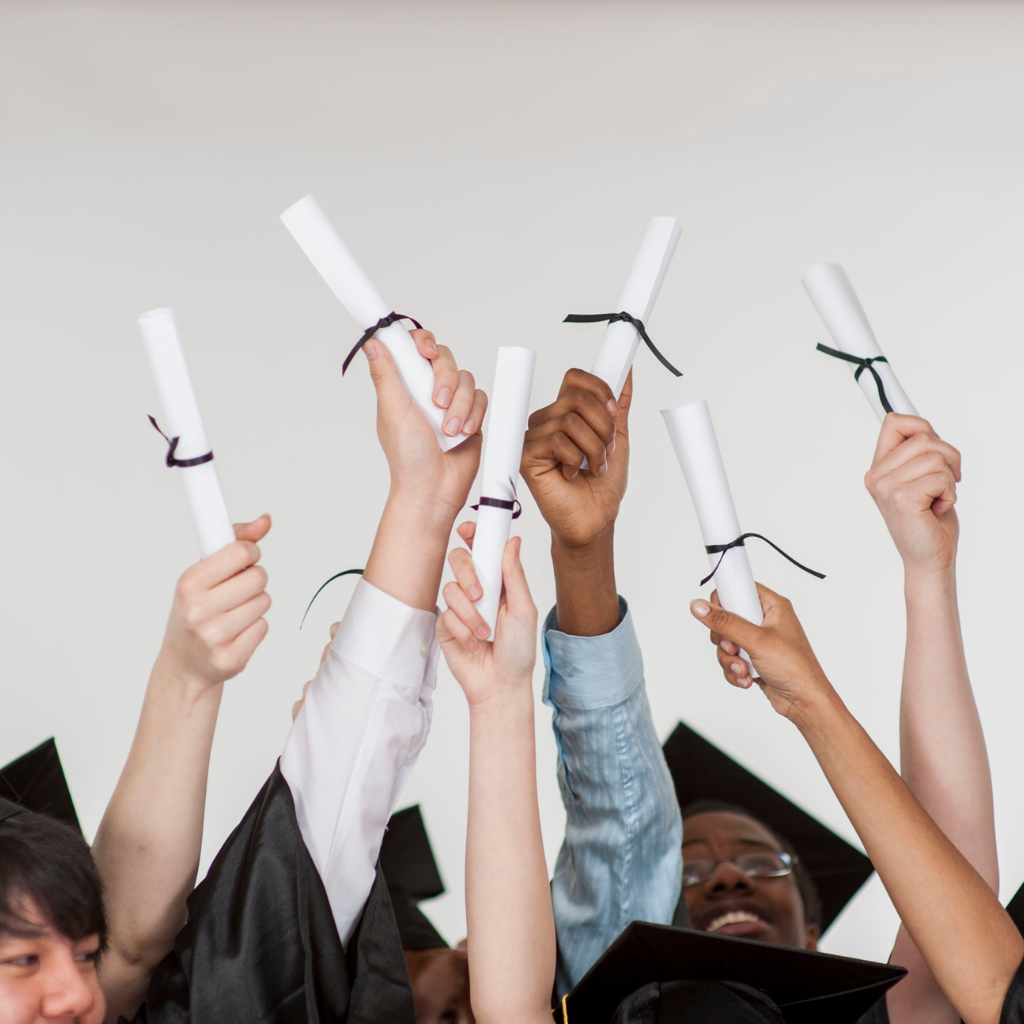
(622,856)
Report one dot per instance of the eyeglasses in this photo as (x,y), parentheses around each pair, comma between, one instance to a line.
(759,864)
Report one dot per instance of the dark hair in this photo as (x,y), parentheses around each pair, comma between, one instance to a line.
(804,883)
(49,863)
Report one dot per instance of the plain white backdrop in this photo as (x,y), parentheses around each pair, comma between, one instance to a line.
(493,165)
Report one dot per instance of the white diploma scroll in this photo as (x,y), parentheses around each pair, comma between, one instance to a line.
(650,265)
(320,241)
(181,419)
(693,437)
(506,419)
(837,304)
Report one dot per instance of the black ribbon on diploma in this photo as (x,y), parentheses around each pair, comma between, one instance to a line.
(739,542)
(593,318)
(172,443)
(384,321)
(513,506)
(337,575)
(862,365)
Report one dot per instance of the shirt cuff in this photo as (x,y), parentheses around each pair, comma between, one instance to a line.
(387,638)
(590,672)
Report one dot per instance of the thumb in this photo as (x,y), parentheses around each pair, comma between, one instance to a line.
(732,627)
(391,397)
(517,590)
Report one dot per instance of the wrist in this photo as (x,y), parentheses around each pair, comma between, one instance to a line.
(509,705)
(816,714)
(932,580)
(182,686)
(431,512)
(586,596)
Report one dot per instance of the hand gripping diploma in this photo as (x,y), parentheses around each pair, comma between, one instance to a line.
(508,899)
(966,939)
(148,843)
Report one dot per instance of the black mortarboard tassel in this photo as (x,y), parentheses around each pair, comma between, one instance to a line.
(408,866)
(808,987)
(36,782)
(702,772)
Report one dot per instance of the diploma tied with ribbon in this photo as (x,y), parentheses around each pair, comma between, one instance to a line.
(320,241)
(693,437)
(504,434)
(837,303)
(189,449)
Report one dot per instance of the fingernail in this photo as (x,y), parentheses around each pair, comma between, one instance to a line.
(725,645)
(371,350)
(612,406)
(444,397)
(602,469)
(611,446)
(469,426)
(576,474)
(482,631)
(431,347)
(452,426)
(700,608)
(475,593)
(737,668)
(472,647)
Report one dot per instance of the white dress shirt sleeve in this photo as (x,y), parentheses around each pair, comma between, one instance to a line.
(365,719)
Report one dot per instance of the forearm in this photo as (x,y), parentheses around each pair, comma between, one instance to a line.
(942,748)
(508,900)
(586,596)
(965,937)
(148,844)
(407,558)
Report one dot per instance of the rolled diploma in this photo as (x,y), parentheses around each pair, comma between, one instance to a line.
(837,304)
(320,241)
(181,419)
(506,418)
(650,265)
(693,437)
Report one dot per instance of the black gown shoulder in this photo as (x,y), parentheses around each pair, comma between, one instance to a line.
(260,944)
(1013,1005)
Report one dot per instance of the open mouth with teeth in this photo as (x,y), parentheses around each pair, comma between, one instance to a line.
(737,922)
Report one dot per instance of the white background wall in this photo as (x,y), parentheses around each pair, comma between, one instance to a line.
(494,165)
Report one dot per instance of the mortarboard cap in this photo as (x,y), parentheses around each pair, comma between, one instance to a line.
(808,987)
(702,772)
(1015,908)
(36,782)
(408,865)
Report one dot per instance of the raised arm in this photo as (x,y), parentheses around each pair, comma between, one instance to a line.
(943,758)
(508,900)
(148,844)
(367,713)
(966,939)
(622,856)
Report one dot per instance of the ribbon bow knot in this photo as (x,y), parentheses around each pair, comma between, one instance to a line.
(593,318)
(862,363)
(739,542)
(172,447)
(384,321)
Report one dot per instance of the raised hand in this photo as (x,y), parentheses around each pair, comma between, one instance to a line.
(585,421)
(216,620)
(420,471)
(913,480)
(787,669)
(489,671)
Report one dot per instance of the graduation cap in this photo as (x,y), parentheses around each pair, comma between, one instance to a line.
(1015,908)
(36,782)
(408,865)
(807,987)
(702,772)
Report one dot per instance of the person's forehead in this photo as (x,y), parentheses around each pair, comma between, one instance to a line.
(726,827)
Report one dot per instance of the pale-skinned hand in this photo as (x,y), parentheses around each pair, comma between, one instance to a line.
(216,620)
(419,469)
(787,669)
(913,480)
(585,421)
(297,706)
(486,670)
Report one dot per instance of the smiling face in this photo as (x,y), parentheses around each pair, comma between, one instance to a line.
(730,903)
(45,976)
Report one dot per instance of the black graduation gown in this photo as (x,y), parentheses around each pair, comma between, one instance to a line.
(260,944)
